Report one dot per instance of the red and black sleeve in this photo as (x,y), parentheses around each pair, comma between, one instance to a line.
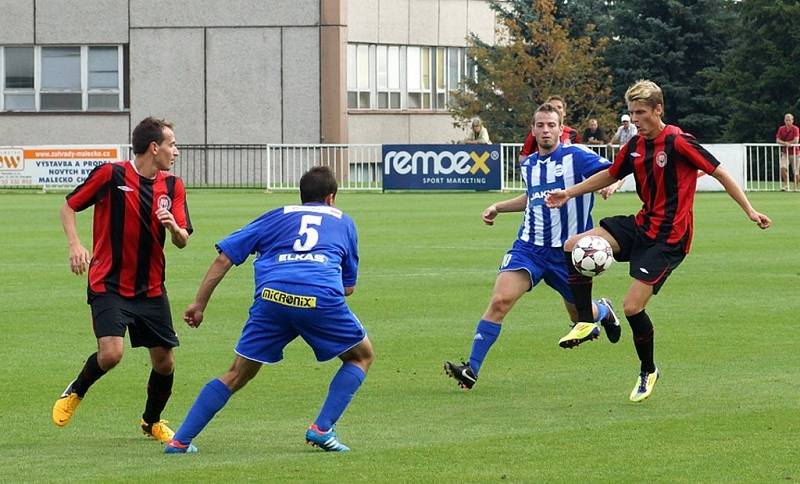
(623,163)
(698,156)
(92,189)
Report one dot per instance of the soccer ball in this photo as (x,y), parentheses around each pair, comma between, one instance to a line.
(592,255)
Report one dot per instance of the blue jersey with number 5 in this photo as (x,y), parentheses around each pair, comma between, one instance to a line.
(312,244)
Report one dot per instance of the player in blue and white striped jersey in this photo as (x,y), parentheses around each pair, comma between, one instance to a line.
(537,254)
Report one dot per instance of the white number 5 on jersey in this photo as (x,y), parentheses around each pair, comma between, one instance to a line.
(312,236)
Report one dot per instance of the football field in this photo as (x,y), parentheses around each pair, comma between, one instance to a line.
(727,408)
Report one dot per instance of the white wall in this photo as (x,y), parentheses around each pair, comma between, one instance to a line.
(244,92)
(16,22)
(228,13)
(56,129)
(167,79)
(81,22)
(402,128)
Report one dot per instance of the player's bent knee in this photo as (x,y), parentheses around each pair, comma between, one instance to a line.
(109,359)
(500,306)
(631,307)
(361,355)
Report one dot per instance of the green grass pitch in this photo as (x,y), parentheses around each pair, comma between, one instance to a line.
(725,410)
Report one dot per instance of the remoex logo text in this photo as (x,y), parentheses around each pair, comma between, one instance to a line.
(432,163)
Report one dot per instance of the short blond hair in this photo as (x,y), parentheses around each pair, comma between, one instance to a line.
(646,92)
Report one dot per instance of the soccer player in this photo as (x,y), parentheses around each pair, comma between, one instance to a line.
(306,264)
(664,162)
(568,135)
(136,203)
(537,253)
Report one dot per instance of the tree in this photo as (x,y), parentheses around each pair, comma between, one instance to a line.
(673,43)
(759,80)
(580,14)
(533,59)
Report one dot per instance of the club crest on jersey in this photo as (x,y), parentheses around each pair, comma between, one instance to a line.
(164,202)
(661,159)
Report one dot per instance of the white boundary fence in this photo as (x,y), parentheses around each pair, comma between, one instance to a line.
(357,166)
(756,166)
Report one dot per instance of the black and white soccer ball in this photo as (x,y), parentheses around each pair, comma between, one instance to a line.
(592,255)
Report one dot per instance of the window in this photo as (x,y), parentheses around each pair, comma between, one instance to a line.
(389,77)
(441,78)
(358,76)
(103,81)
(418,60)
(18,78)
(61,78)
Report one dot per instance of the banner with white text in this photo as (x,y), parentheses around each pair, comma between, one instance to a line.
(53,166)
(441,167)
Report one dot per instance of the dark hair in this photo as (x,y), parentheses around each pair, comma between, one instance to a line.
(546,108)
(316,184)
(149,130)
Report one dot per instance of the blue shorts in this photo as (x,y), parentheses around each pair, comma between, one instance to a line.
(283,312)
(541,263)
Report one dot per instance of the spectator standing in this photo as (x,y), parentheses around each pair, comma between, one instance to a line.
(788,135)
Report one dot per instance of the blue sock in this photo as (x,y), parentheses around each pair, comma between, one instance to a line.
(486,334)
(342,388)
(602,311)
(211,399)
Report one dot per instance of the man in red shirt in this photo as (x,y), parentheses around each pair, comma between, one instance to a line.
(788,135)
(664,162)
(136,203)
(568,135)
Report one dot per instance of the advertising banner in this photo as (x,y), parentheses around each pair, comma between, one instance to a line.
(53,166)
(441,167)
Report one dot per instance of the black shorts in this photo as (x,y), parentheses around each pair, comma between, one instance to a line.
(148,319)
(651,262)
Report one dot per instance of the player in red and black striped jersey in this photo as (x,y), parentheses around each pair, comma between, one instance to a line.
(664,162)
(136,203)
(568,135)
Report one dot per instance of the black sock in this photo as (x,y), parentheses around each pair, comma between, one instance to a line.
(642,329)
(159,388)
(581,287)
(90,373)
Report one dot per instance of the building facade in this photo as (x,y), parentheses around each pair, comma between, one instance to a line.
(241,71)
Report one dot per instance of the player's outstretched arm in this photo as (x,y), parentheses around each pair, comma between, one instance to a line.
(611,189)
(557,198)
(78,255)
(516,204)
(736,193)
(194,312)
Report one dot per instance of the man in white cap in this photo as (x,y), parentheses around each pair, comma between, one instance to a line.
(625,132)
